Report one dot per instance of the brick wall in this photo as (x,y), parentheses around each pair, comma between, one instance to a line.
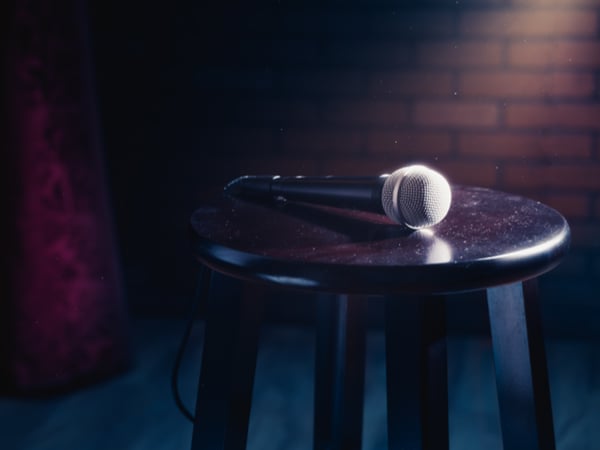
(498,93)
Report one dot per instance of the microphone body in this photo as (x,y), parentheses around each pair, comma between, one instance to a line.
(414,196)
(362,193)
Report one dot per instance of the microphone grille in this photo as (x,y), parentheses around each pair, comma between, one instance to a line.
(416,196)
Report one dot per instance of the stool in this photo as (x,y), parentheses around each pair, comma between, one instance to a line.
(489,241)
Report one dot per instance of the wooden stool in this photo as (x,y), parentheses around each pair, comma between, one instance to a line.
(489,241)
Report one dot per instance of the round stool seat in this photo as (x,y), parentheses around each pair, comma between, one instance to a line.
(488,238)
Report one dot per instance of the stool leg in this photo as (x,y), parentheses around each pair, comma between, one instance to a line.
(416,373)
(521,373)
(339,372)
(227,374)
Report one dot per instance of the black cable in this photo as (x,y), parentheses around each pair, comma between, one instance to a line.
(201,288)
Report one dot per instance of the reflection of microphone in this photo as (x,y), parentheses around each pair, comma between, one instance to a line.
(438,250)
(415,196)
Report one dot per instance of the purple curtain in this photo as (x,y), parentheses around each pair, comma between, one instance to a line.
(62,300)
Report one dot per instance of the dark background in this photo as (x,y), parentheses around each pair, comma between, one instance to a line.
(498,93)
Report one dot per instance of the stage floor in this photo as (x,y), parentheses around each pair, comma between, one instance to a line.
(135,410)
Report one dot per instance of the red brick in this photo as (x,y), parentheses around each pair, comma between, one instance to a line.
(469,173)
(575,116)
(565,176)
(521,146)
(409,143)
(366,112)
(459,54)
(411,83)
(563,54)
(456,114)
(509,84)
(529,23)
(303,141)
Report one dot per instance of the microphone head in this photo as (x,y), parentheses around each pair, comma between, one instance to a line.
(416,196)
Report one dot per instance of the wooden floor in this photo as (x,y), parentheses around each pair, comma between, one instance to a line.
(136,411)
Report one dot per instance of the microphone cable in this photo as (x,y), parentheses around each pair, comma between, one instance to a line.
(201,288)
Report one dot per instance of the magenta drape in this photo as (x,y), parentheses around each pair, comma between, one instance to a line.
(62,296)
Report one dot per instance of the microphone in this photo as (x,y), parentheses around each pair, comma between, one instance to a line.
(415,196)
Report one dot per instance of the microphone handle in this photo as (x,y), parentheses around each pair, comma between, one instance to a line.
(362,193)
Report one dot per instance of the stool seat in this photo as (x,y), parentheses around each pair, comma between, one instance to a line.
(489,241)
(488,238)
